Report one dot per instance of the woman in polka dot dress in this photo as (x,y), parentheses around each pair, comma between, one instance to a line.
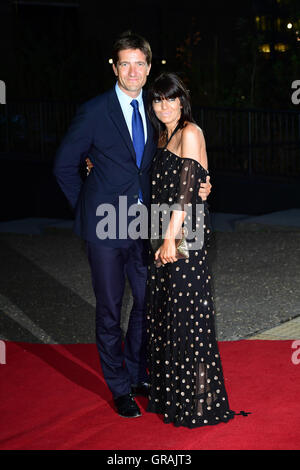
(185,371)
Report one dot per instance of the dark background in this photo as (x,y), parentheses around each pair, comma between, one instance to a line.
(239,60)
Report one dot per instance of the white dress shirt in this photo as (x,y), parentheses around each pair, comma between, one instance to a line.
(127,109)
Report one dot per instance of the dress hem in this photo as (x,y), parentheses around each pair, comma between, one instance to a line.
(177,423)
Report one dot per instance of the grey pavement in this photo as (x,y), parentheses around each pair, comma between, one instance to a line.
(46,294)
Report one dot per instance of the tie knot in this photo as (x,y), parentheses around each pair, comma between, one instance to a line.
(135,104)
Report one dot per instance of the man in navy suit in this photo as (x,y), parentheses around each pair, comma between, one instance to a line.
(112,129)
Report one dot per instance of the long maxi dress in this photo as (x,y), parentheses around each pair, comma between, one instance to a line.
(185,370)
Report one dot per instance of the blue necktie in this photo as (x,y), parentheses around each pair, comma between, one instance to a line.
(138,137)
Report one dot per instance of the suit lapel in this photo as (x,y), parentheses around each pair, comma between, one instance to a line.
(148,150)
(117,116)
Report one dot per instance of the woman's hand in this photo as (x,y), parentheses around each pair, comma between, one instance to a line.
(167,252)
(89,165)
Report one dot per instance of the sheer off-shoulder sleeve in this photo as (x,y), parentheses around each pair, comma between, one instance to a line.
(189,183)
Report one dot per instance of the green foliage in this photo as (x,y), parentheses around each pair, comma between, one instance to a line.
(231,69)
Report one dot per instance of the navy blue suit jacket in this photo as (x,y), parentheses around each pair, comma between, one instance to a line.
(99,131)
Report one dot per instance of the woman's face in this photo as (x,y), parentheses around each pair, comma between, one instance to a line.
(167,110)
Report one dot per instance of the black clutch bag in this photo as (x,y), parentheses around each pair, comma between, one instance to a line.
(182,251)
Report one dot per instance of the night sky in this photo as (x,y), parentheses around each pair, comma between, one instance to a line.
(61,52)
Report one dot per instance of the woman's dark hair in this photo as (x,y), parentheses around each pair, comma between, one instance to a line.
(129,40)
(169,85)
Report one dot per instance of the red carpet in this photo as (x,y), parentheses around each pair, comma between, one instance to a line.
(53,397)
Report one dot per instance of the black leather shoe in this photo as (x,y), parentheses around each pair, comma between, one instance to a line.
(142,389)
(127,407)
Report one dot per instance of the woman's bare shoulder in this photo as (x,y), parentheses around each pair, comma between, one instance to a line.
(191,129)
(193,144)
(192,140)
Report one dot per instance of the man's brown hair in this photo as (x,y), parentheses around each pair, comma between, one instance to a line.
(129,40)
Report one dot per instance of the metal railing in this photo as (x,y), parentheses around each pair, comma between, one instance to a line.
(253,142)
(34,129)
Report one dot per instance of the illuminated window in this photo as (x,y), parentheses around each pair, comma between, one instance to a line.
(280,47)
(265,48)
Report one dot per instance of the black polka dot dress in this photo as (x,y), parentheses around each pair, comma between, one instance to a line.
(185,371)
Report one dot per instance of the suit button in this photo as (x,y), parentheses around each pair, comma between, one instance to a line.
(135,195)
(140,172)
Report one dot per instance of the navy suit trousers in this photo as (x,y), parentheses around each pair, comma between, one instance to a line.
(122,364)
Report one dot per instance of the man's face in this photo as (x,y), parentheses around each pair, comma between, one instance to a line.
(132,71)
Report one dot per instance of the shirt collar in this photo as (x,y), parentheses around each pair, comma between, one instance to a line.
(125,99)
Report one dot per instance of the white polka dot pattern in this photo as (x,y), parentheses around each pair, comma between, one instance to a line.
(187,383)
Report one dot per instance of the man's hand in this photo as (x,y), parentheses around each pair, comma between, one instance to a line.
(205,189)
(89,165)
